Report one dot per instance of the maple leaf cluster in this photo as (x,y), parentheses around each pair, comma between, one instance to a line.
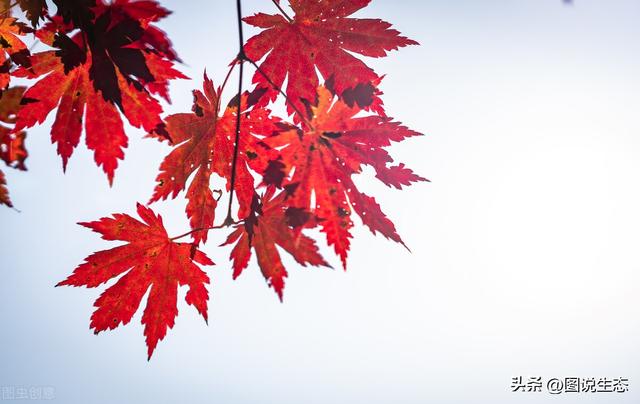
(105,61)
(13,53)
(282,176)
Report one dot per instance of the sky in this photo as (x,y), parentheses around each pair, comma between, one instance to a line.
(524,246)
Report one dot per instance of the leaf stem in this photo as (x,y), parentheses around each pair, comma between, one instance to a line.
(226,79)
(221,226)
(241,58)
(284,13)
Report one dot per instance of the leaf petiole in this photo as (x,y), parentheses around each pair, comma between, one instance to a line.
(221,226)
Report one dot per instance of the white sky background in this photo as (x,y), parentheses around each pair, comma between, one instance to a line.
(525,246)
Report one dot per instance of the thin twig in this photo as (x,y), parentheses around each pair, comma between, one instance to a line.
(241,58)
(222,226)
(224,83)
(284,13)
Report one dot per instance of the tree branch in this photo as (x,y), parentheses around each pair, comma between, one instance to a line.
(284,13)
(224,83)
(241,58)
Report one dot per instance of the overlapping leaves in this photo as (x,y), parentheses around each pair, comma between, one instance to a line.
(109,61)
(114,64)
(323,159)
(321,36)
(204,146)
(263,231)
(12,147)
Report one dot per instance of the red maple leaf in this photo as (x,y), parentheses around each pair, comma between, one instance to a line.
(117,70)
(4,192)
(12,148)
(12,49)
(204,146)
(264,231)
(150,260)
(322,36)
(324,157)
(109,60)
(146,13)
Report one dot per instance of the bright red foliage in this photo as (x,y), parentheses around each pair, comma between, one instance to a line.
(12,148)
(4,192)
(205,146)
(110,60)
(150,260)
(267,229)
(121,68)
(12,49)
(321,35)
(325,157)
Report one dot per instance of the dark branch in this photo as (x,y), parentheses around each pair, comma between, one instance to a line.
(241,58)
(226,79)
(284,13)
